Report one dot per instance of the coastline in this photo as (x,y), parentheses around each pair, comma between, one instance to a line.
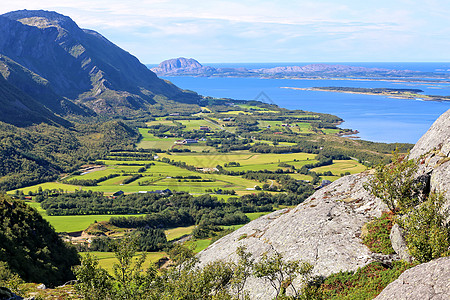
(393,95)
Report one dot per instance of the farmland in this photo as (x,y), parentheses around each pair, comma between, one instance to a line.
(226,153)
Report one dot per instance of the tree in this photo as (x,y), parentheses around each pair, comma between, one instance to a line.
(281,274)
(396,185)
(93,282)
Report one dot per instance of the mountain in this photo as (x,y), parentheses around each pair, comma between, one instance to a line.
(325,230)
(182,66)
(39,89)
(20,109)
(82,65)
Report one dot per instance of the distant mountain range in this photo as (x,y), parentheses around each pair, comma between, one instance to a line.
(52,66)
(190,67)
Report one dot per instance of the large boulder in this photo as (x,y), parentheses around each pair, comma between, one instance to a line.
(433,152)
(423,282)
(324,231)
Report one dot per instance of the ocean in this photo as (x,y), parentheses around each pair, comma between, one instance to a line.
(377,118)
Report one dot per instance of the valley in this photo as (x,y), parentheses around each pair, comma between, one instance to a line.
(140,189)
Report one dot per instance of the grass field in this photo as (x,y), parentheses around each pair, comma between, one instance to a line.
(247,160)
(342,166)
(176,233)
(77,223)
(107,260)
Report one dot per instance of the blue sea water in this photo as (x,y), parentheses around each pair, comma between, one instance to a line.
(377,118)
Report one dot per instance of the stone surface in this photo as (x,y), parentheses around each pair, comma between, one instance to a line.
(324,230)
(423,282)
(433,150)
(399,244)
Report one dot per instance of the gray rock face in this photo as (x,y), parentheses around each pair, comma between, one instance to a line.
(324,230)
(423,282)
(433,149)
(399,244)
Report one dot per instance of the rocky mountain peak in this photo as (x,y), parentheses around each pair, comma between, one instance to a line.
(181,65)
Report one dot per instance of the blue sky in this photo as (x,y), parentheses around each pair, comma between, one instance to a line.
(265,31)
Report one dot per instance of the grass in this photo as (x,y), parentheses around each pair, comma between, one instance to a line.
(176,233)
(342,166)
(107,260)
(256,215)
(365,283)
(375,234)
(247,160)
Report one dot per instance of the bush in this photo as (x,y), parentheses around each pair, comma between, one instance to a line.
(427,235)
(376,237)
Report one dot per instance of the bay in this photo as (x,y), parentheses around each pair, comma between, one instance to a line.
(377,118)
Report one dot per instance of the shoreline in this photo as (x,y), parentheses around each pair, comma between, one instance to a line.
(392,95)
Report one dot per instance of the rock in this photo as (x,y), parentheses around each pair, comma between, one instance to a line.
(182,66)
(426,281)
(433,151)
(324,231)
(41,286)
(6,294)
(399,244)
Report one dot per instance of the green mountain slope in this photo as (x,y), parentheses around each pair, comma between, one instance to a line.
(31,247)
(39,89)
(20,109)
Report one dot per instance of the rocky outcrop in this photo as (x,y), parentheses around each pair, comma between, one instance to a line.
(433,151)
(398,243)
(429,281)
(324,230)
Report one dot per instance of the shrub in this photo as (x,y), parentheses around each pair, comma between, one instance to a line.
(376,237)
(427,235)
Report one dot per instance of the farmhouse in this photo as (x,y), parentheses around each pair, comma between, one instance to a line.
(186,141)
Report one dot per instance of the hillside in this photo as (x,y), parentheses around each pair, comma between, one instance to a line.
(31,247)
(20,109)
(82,65)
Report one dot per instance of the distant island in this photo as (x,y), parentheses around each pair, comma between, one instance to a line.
(190,67)
(390,92)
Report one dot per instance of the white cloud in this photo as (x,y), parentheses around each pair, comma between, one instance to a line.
(264,30)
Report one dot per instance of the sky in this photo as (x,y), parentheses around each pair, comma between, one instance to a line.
(238,31)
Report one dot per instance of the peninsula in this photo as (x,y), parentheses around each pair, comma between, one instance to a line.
(388,92)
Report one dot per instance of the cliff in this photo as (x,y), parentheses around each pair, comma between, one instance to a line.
(325,230)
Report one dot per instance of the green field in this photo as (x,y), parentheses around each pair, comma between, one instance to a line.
(107,260)
(342,166)
(77,223)
(247,160)
(176,233)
